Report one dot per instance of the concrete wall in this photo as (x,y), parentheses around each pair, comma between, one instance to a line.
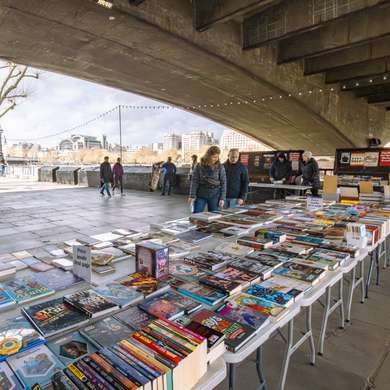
(48,173)
(68,175)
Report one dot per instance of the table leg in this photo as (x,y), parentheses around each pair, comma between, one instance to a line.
(260,369)
(309,332)
(378,263)
(287,355)
(371,266)
(328,310)
(232,375)
(350,294)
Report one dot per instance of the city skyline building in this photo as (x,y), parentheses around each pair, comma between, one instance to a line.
(194,141)
(171,141)
(79,142)
(232,139)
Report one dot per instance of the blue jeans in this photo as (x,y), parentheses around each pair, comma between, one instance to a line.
(200,204)
(105,186)
(230,202)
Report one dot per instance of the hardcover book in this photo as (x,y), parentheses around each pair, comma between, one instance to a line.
(152,259)
(236,334)
(228,286)
(169,305)
(26,289)
(54,317)
(144,284)
(202,294)
(119,294)
(135,318)
(8,380)
(71,347)
(36,366)
(17,335)
(301,272)
(243,315)
(260,305)
(106,332)
(57,279)
(91,303)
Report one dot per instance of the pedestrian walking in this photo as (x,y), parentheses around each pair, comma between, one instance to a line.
(169,169)
(237,180)
(310,172)
(3,165)
(208,184)
(117,172)
(105,176)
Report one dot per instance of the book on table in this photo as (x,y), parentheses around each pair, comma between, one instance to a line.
(8,380)
(246,264)
(206,260)
(234,249)
(270,294)
(257,243)
(134,317)
(185,271)
(58,279)
(301,272)
(243,277)
(6,302)
(119,294)
(229,287)
(145,284)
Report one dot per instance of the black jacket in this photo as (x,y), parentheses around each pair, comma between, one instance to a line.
(311,174)
(237,180)
(105,172)
(280,170)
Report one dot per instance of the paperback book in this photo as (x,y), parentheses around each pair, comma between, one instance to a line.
(257,243)
(17,335)
(301,272)
(270,294)
(193,236)
(71,347)
(213,337)
(7,271)
(119,294)
(91,303)
(147,285)
(135,318)
(106,332)
(252,266)
(6,302)
(243,277)
(234,249)
(53,317)
(185,271)
(57,279)
(8,380)
(202,293)
(243,315)
(25,289)
(260,305)
(206,260)
(289,286)
(295,249)
(36,366)
(169,305)
(236,334)
(227,286)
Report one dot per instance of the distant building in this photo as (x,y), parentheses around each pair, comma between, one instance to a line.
(171,141)
(79,142)
(194,141)
(2,146)
(232,139)
(157,147)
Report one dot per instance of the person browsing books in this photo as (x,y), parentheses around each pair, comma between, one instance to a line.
(208,183)
(280,172)
(310,172)
(237,180)
(105,176)
(117,172)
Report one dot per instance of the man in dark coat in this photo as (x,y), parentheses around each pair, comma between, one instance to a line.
(169,176)
(280,171)
(310,173)
(105,176)
(237,180)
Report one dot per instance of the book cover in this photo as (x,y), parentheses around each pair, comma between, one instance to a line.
(259,305)
(90,302)
(270,294)
(8,380)
(144,284)
(106,332)
(119,294)
(250,265)
(71,347)
(5,300)
(207,260)
(185,271)
(295,249)
(234,249)
(224,285)
(193,236)
(61,381)
(54,316)
(36,366)
(135,317)
(255,242)
(301,272)
(168,305)
(17,335)
(25,289)
(289,286)
(213,336)
(325,264)
(58,279)
(152,259)
(202,293)
(240,276)
(243,315)
(236,334)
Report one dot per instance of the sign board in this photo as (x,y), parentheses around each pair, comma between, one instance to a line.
(82,262)
(330,185)
(366,187)
(314,203)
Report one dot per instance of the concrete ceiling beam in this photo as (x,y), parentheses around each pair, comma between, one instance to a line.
(206,13)
(364,26)
(293,17)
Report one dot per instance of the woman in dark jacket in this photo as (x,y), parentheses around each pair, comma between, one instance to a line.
(310,173)
(208,182)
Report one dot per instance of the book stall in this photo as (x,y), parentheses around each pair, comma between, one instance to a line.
(183,304)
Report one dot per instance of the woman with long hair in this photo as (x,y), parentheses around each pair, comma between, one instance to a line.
(208,182)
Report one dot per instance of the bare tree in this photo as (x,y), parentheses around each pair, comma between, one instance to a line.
(12,89)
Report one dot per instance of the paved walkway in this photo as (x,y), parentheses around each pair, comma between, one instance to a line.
(37,216)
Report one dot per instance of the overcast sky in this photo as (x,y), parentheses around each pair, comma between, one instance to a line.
(60,102)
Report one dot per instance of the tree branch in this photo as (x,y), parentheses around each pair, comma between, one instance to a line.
(11,107)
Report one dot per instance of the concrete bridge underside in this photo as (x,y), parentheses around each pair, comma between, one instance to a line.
(152,48)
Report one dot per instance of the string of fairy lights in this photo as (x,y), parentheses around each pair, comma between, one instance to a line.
(234,101)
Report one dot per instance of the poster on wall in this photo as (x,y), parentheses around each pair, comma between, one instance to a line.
(384,160)
(345,158)
(371,159)
(357,159)
(268,160)
(294,157)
